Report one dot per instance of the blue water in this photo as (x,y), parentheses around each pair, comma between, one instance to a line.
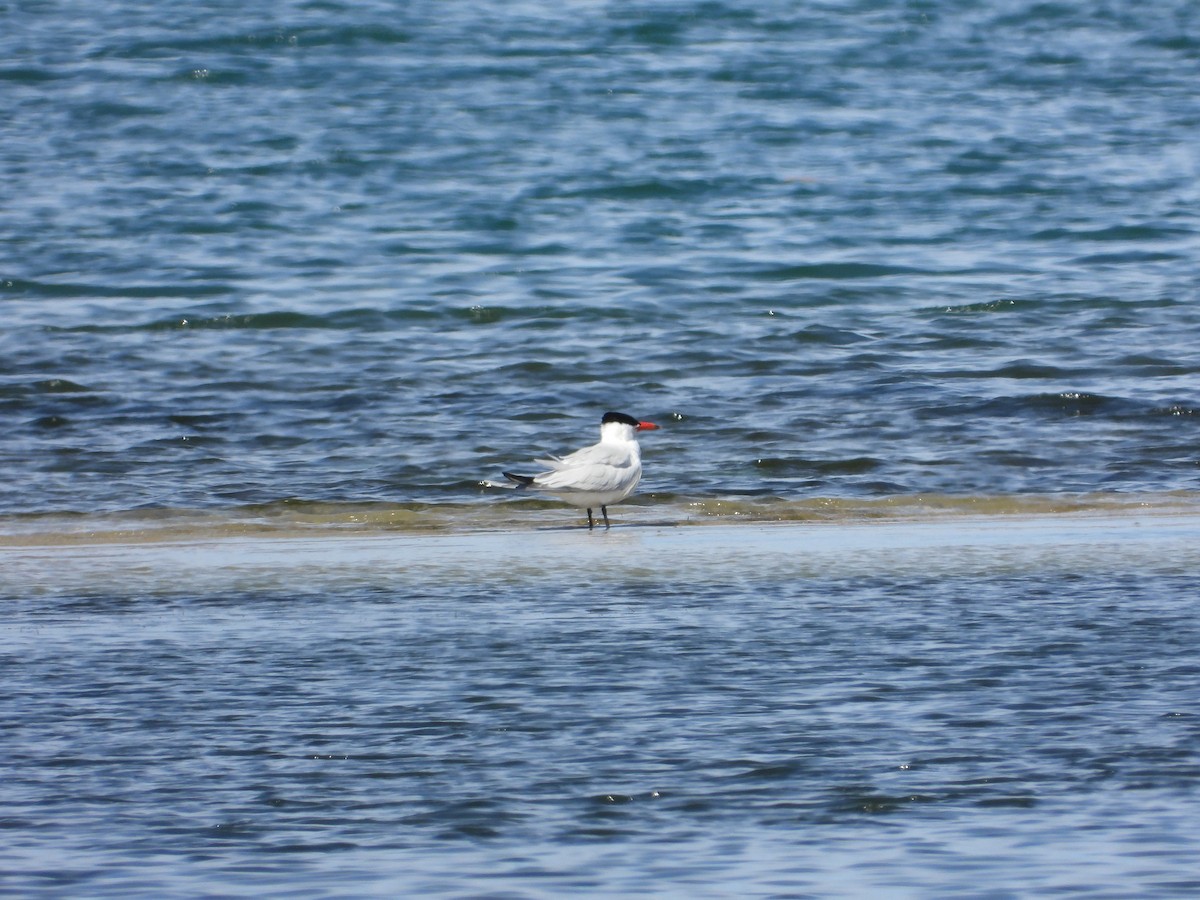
(325,268)
(371,254)
(992,710)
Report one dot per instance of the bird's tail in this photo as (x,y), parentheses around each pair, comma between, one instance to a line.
(521,481)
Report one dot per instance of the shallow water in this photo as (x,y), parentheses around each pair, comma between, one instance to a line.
(920,281)
(789,710)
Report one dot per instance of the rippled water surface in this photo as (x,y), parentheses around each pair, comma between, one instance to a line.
(805,710)
(320,269)
(374,252)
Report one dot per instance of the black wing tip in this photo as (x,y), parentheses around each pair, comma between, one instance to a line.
(521,480)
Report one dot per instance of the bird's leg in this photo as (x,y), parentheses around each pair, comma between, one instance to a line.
(591,524)
(604,509)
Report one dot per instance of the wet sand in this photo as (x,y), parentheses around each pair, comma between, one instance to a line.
(987,545)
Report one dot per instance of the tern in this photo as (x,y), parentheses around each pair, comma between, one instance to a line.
(598,475)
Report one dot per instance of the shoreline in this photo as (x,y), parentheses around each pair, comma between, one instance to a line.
(651,553)
(293,519)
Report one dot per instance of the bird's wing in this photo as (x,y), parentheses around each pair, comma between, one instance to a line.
(597,454)
(597,469)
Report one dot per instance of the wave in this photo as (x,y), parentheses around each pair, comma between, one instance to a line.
(343,320)
(1114,233)
(374,320)
(51,290)
(838,271)
(1053,405)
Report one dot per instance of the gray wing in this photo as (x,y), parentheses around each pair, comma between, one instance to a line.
(595,469)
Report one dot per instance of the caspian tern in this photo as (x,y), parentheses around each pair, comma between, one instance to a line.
(598,475)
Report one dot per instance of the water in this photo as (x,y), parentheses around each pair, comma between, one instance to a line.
(805,710)
(371,254)
(314,271)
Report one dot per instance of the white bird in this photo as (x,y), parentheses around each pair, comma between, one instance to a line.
(598,475)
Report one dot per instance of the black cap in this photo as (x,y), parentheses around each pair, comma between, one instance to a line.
(619,417)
